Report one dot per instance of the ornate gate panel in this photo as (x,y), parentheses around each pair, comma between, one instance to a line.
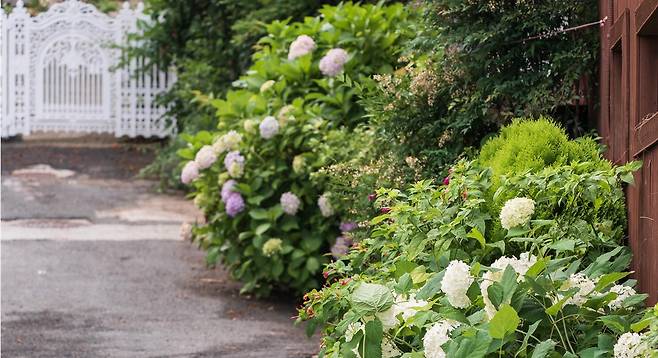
(59,74)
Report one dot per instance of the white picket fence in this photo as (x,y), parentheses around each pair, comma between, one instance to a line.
(57,73)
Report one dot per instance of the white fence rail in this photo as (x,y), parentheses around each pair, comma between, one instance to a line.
(58,73)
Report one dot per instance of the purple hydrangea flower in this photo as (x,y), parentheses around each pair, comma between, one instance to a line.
(227,189)
(348,226)
(234,204)
(290,203)
(341,246)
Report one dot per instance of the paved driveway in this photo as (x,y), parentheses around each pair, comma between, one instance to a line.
(92,266)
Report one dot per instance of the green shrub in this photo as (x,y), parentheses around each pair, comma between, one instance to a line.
(544,276)
(534,145)
(284,112)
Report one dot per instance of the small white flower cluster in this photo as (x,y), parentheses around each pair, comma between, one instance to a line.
(352,329)
(585,286)
(325,205)
(389,349)
(332,63)
(302,45)
(623,292)
(272,247)
(436,337)
(269,127)
(631,345)
(227,142)
(456,281)
(404,307)
(190,172)
(516,212)
(290,203)
(520,266)
(205,157)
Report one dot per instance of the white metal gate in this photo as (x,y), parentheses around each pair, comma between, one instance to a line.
(57,73)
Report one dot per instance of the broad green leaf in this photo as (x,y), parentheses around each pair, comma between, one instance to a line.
(369,298)
(609,278)
(543,349)
(373,342)
(262,228)
(431,287)
(477,235)
(504,322)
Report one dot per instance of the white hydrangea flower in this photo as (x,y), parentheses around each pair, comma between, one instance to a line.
(285,114)
(631,345)
(325,205)
(290,203)
(302,45)
(389,349)
(455,283)
(403,307)
(190,172)
(520,266)
(623,292)
(516,212)
(249,126)
(352,329)
(227,142)
(205,157)
(269,127)
(298,164)
(332,63)
(585,287)
(266,86)
(436,337)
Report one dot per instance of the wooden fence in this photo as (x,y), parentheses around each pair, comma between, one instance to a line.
(628,120)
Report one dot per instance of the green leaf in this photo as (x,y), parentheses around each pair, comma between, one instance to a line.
(609,278)
(258,214)
(616,323)
(516,231)
(555,308)
(370,298)
(477,235)
(504,322)
(431,287)
(543,349)
(373,342)
(639,326)
(473,347)
(262,228)
(563,245)
(404,284)
(312,264)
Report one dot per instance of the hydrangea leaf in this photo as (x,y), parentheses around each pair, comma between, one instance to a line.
(372,347)
(505,321)
(370,298)
(543,349)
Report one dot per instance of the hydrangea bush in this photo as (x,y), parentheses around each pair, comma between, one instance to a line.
(268,218)
(444,273)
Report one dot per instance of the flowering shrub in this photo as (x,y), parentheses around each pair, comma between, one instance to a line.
(269,219)
(445,272)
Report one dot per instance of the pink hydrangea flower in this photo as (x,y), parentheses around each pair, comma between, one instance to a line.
(190,172)
(332,63)
(302,45)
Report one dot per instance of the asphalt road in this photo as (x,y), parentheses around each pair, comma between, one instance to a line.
(92,266)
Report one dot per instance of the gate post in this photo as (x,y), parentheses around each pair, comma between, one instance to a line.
(18,102)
